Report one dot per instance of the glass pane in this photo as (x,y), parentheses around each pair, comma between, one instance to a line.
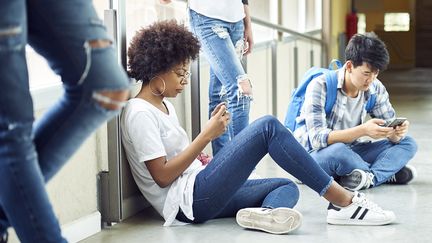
(361,24)
(396,22)
(141,13)
(40,74)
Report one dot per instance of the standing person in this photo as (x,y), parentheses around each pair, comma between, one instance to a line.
(224,30)
(181,188)
(336,141)
(71,37)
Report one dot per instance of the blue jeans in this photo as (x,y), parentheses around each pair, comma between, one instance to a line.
(31,153)
(382,158)
(222,188)
(222,43)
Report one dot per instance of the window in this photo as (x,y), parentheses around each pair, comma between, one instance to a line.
(45,85)
(396,22)
(361,24)
(140,13)
(40,74)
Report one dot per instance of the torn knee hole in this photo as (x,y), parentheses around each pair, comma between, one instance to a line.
(220,31)
(244,85)
(240,48)
(111,100)
(99,43)
(12,31)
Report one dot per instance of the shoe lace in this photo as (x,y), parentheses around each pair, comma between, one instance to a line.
(369,180)
(392,179)
(366,203)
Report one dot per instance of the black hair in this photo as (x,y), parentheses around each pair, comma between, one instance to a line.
(158,48)
(367,48)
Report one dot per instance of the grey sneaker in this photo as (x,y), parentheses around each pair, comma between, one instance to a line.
(357,180)
(404,176)
(275,221)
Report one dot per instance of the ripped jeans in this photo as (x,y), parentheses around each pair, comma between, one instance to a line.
(223,44)
(74,42)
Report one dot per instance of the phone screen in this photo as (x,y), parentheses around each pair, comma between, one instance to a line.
(396,122)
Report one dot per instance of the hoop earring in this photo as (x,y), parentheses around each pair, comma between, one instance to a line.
(164,86)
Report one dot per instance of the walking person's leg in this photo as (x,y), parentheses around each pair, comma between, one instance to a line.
(223,44)
(23,198)
(217,94)
(79,51)
(95,85)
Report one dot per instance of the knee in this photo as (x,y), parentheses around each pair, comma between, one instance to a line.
(268,119)
(410,144)
(111,100)
(294,190)
(12,38)
(99,43)
(337,147)
(332,152)
(292,194)
(244,86)
(269,122)
(108,99)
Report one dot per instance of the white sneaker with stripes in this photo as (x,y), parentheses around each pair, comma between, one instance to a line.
(361,211)
(275,221)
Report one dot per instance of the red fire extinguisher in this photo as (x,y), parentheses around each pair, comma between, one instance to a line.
(351,22)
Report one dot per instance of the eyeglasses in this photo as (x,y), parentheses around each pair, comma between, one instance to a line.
(184,76)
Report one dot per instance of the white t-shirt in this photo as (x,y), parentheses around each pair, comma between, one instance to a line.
(227,10)
(148,133)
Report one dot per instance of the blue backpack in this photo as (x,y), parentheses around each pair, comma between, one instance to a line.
(298,94)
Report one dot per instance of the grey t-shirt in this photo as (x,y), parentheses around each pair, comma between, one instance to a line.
(353,111)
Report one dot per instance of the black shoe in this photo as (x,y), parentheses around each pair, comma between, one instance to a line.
(4,237)
(404,176)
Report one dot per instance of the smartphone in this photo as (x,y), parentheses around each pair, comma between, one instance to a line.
(395,122)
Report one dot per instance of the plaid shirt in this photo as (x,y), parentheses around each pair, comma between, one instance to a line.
(314,134)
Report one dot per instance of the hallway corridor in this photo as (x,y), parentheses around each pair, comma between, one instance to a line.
(411,203)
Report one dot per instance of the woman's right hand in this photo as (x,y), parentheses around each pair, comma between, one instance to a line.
(218,122)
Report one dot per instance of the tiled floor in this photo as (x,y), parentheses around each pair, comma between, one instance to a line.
(411,203)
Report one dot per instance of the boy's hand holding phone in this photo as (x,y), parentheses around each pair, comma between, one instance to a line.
(400,128)
(395,122)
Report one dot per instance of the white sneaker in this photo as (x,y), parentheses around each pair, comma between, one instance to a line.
(361,211)
(275,221)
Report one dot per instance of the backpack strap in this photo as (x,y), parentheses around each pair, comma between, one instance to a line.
(335,62)
(331,83)
(372,99)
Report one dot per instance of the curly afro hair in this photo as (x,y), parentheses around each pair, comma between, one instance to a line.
(158,48)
